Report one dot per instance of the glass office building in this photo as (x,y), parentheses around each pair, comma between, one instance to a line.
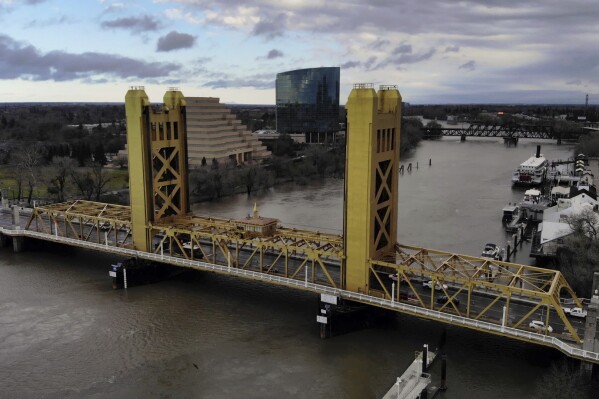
(308,102)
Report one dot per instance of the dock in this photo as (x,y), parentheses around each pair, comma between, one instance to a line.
(414,380)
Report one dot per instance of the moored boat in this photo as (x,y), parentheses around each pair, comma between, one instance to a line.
(531,172)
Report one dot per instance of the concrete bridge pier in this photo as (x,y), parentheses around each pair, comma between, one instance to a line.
(337,316)
(591,338)
(463,137)
(16,217)
(18,244)
(3,241)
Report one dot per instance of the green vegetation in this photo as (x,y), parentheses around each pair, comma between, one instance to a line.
(588,145)
(565,380)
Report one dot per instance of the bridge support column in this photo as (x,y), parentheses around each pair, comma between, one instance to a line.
(463,137)
(591,338)
(16,217)
(18,244)
(3,240)
(370,214)
(337,316)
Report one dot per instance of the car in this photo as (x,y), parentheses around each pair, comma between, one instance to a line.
(539,326)
(408,296)
(576,312)
(438,286)
(444,298)
(187,245)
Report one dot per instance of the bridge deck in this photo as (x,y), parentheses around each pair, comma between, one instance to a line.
(314,262)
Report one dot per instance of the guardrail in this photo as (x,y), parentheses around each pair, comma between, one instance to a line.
(306,285)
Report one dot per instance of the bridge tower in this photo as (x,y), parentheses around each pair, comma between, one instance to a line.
(372,162)
(157,149)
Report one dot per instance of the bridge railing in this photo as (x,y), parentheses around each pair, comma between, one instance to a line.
(306,285)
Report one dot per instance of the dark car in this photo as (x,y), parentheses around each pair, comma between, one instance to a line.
(443,299)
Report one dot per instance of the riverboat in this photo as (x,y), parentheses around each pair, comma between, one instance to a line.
(531,172)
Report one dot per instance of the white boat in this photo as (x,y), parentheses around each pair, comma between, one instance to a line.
(491,251)
(532,171)
(512,217)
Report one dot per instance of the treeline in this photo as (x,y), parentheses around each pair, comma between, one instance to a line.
(474,111)
(82,132)
(290,162)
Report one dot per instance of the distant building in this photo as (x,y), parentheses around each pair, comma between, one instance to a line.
(307,102)
(214,132)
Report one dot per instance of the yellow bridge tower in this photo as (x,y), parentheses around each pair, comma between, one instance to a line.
(157,147)
(370,214)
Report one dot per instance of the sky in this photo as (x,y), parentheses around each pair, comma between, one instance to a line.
(435,51)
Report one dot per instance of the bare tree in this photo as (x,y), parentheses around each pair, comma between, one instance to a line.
(100,180)
(29,158)
(84,183)
(585,223)
(121,160)
(62,167)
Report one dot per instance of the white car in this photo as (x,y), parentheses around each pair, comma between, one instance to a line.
(187,245)
(438,286)
(539,326)
(576,312)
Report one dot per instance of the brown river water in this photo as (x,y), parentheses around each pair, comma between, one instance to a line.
(65,333)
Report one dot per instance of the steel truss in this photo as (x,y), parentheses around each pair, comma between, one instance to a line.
(315,257)
(298,254)
(489,286)
(485,130)
(84,220)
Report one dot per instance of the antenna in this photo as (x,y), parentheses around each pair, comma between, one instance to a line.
(586,103)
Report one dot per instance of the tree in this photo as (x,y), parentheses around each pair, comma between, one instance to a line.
(29,158)
(433,130)
(100,179)
(99,156)
(564,381)
(578,259)
(214,164)
(249,179)
(584,223)
(84,183)
(203,161)
(62,167)
(121,160)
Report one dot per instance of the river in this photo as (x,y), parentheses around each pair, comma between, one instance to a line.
(65,333)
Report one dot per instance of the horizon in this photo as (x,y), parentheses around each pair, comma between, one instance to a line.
(441,52)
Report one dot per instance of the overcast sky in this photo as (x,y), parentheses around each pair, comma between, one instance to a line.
(436,51)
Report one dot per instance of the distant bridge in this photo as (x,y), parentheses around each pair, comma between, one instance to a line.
(511,132)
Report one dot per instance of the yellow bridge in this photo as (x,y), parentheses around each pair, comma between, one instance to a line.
(364,265)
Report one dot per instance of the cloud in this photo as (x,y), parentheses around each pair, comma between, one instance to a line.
(402,55)
(175,41)
(402,49)
(23,61)
(576,82)
(452,49)
(379,44)
(350,64)
(274,53)
(272,28)
(144,23)
(468,66)
(260,82)
(35,23)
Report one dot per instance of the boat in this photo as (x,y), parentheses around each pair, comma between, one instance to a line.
(531,172)
(491,251)
(513,215)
